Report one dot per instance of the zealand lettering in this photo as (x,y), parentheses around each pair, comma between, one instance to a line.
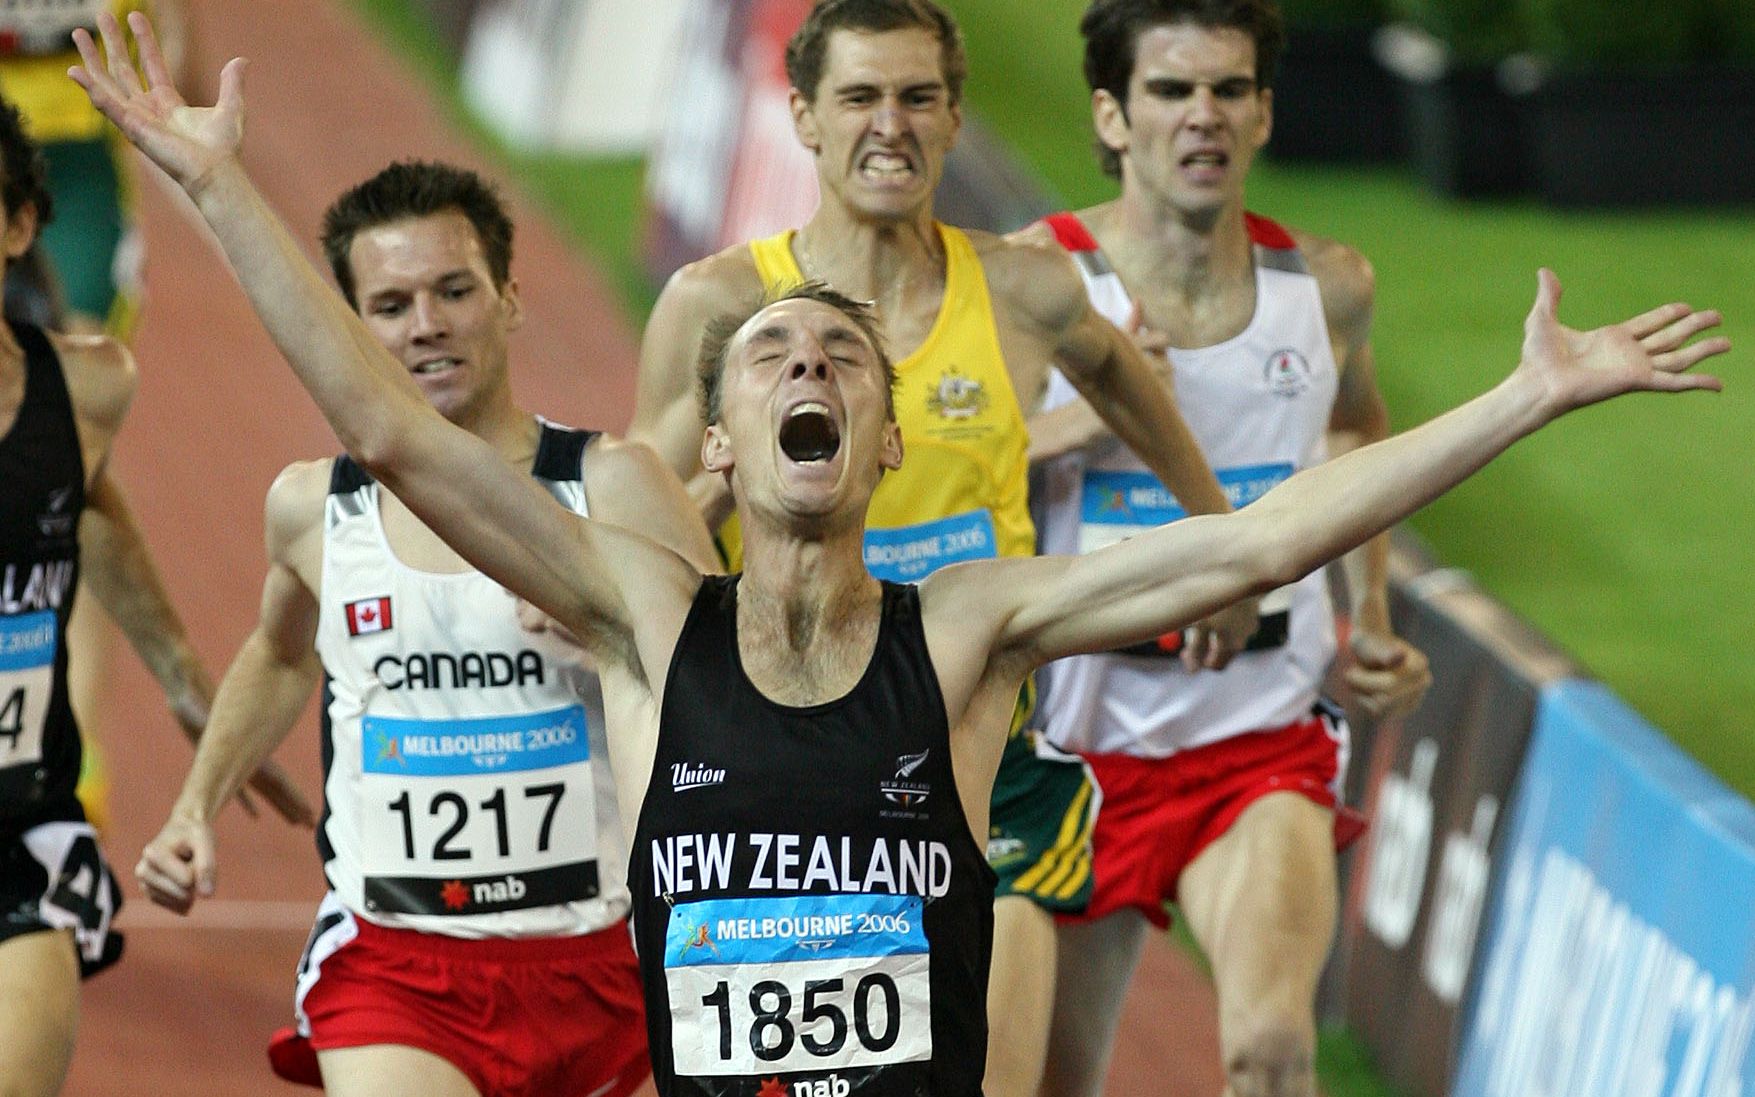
(686,863)
(42,586)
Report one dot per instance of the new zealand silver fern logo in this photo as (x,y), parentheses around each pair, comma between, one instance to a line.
(902,791)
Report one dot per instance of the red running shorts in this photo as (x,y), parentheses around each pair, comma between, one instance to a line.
(1160,813)
(526,1017)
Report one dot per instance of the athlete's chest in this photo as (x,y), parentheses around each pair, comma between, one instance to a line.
(412,543)
(800,669)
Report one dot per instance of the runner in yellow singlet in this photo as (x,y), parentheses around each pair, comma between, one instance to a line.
(973,321)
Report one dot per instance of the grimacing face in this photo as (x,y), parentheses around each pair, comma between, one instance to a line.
(1194,120)
(881,121)
(427,294)
(805,427)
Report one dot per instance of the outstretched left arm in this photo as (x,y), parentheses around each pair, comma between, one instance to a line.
(119,570)
(1172,575)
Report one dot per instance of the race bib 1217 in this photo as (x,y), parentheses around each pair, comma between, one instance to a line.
(477,815)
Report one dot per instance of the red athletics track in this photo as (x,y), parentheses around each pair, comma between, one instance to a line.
(188,1009)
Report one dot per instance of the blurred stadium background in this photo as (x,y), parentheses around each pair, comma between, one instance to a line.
(1555,900)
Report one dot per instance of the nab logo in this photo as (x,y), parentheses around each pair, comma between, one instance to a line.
(455,895)
(900,790)
(832,1086)
(368,615)
(1287,373)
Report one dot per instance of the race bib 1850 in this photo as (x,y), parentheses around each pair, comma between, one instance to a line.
(815,982)
(27,678)
(471,816)
(908,554)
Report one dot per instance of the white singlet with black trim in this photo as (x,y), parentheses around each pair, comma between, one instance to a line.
(1259,405)
(465,770)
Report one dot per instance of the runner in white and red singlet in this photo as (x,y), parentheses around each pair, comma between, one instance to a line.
(1220,787)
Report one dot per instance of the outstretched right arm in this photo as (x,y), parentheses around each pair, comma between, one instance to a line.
(498,519)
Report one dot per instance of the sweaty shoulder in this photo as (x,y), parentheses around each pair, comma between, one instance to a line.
(1031,276)
(1345,278)
(628,485)
(100,377)
(723,282)
(293,512)
(1034,234)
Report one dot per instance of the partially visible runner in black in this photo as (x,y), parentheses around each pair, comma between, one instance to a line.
(62,399)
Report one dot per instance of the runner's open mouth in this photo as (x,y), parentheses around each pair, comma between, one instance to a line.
(808,434)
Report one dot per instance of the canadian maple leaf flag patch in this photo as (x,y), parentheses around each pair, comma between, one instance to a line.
(368,615)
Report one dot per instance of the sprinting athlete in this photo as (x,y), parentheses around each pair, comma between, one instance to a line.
(974,321)
(474,939)
(62,399)
(807,751)
(1220,788)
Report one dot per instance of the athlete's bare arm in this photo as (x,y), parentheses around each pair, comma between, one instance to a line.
(266,687)
(1041,295)
(628,485)
(983,620)
(1388,675)
(497,518)
(100,383)
(117,566)
(1044,294)
(667,410)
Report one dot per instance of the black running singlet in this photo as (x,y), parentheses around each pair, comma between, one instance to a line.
(42,492)
(811,912)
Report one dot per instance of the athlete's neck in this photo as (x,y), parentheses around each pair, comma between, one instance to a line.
(807,616)
(869,259)
(508,428)
(1192,256)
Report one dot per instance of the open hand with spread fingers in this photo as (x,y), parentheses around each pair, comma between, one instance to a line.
(1649,353)
(187,142)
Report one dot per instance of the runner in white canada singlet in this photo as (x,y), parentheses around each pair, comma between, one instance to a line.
(467,789)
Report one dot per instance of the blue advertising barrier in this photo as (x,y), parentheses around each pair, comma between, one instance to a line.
(1620,949)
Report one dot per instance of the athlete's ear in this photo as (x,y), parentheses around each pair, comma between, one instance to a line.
(716,453)
(804,122)
(1109,118)
(21,230)
(1266,129)
(513,304)
(890,449)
